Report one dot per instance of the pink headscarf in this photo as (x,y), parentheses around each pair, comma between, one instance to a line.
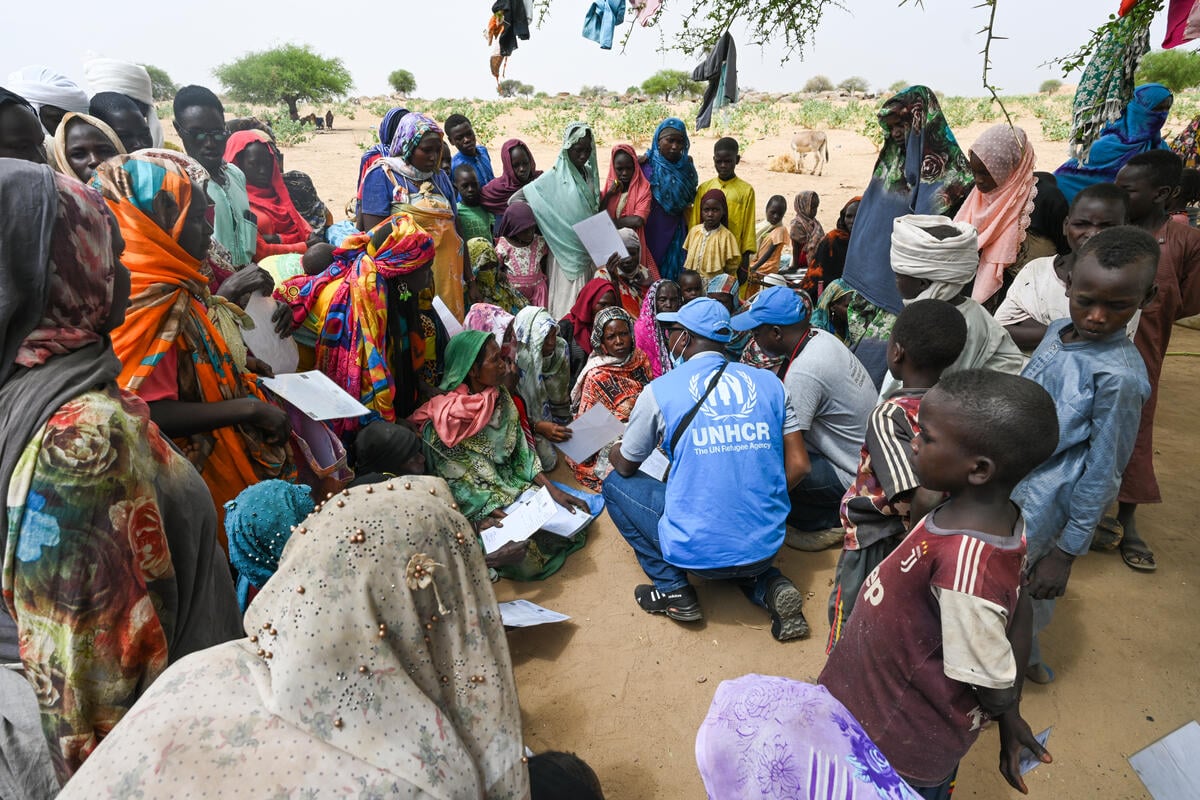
(1001,215)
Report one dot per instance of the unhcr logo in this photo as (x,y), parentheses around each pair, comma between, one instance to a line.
(733,399)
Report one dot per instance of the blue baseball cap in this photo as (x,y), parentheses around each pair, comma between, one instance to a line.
(776,305)
(703,317)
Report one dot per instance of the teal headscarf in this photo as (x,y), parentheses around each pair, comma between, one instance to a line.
(259,522)
(460,356)
(562,197)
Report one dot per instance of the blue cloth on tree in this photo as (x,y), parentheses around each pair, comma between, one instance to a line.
(601,20)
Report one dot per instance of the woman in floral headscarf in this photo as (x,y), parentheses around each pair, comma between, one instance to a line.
(172,355)
(543,380)
(410,181)
(490,277)
(111,563)
(663,295)
(614,376)
(562,197)
(920,170)
(1001,203)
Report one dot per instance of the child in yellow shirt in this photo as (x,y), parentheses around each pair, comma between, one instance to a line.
(710,249)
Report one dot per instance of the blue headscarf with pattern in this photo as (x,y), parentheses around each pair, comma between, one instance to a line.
(259,522)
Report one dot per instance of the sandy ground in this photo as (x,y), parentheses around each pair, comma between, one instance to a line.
(627,691)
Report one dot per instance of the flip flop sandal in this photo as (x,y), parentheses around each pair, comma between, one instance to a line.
(1138,557)
(814,541)
(1109,534)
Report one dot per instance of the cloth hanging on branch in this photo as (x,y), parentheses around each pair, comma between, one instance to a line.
(719,68)
(1181,18)
(1107,83)
(602,18)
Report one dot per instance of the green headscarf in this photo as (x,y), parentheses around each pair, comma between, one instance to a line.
(460,356)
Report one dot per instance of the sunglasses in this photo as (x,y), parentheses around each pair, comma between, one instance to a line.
(216,134)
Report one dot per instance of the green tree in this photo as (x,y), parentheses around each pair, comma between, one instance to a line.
(1175,69)
(854,84)
(818,83)
(898,86)
(592,91)
(669,82)
(514,88)
(161,84)
(402,81)
(1050,86)
(285,74)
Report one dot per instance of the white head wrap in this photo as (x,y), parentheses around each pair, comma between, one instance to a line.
(949,264)
(129,79)
(42,86)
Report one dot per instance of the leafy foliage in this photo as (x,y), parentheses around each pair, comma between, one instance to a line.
(402,81)
(667,82)
(160,83)
(854,84)
(514,88)
(898,86)
(818,83)
(285,74)
(1175,69)
(592,92)
(1050,86)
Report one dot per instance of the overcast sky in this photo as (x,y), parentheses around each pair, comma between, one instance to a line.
(441,42)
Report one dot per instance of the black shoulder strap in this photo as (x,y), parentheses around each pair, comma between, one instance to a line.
(688,417)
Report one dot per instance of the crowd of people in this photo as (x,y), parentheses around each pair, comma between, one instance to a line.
(955,386)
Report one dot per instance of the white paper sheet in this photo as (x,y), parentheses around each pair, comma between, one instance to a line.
(594,429)
(566,524)
(452,325)
(1170,768)
(656,465)
(599,236)
(524,614)
(524,517)
(315,395)
(262,340)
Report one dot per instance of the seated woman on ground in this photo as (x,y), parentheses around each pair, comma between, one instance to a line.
(112,568)
(384,450)
(82,143)
(172,355)
(476,441)
(338,652)
(649,334)
(491,279)
(258,524)
(281,228)
(576,327)
(543,380)
(523,252)
(614,376)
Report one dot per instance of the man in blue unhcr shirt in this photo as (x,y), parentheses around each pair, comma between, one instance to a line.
(735,449)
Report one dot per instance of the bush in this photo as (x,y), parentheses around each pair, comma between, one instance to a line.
(818,83)
(402,81)
(1175,69)
(592,92)
(667,82)
(854,84)
(161,84)
(898,86)
(514,88)
(1050,86)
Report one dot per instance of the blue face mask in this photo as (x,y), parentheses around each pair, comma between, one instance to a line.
(677,359)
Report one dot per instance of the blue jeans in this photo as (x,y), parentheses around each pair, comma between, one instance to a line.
(636,504)
(817,498)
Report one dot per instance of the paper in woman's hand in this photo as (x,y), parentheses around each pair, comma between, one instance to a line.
(595,428)
(315,395)
(599,237)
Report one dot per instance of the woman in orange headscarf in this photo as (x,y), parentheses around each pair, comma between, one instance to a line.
(171,354)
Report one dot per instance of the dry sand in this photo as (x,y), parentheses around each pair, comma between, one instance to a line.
(627,691)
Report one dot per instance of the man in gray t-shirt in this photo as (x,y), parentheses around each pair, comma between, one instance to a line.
(831,394)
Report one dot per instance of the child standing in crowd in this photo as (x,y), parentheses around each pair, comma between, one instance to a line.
(739,196)
(1151,179)
(886,497)
(1098,381)
(690,285)
(1039,294)
(475,221)
(932,649)
(462,136)
(523,252)
(771,239)
(710,249)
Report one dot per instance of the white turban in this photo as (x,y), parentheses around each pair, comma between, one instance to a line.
(629,237)
(129,79)
(42,86)
(949,264)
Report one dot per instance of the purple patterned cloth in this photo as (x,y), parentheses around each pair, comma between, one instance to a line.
(768,738)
